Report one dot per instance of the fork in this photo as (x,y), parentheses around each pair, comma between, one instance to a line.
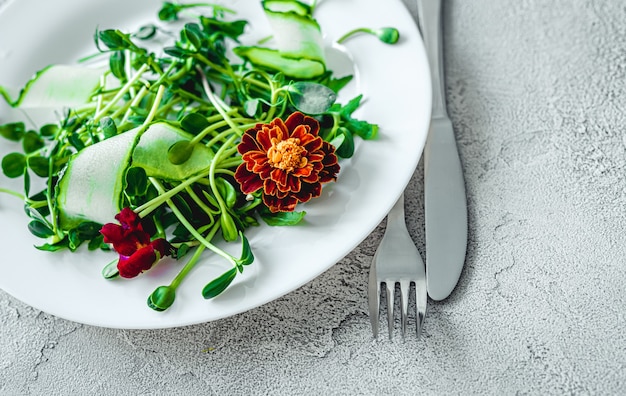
(397,260)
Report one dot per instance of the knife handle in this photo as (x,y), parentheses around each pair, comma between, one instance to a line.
(429,21)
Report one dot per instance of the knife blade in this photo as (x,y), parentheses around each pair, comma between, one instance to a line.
(445,202)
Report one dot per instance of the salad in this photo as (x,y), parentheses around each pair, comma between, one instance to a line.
(162,150)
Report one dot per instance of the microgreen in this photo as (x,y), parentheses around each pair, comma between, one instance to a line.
(387,35)
(158,132)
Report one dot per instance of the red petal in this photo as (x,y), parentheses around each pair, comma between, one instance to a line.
(112,233)
(162,246)
(264,139)
(270,187)
(309,191)
(248,142)
(249,182)
(129,219)
(298,118)
(141,260)
(276,204)
(280,177)
(293,183)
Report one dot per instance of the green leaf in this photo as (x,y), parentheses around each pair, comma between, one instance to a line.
(363,129)
(109,129)
(32,142)
(337,84)
(176,52)
(180,152)
(48,130)
(116,40)
(388,35)
(14,165)
(229,228)
(169,11)
(47,247)
(97,243)
(227,191)
(13,131)
(232,29)
(39,229)
(39,165)
(311,98)
(88,230)
(282,218)
(136,182)
(194,123)
(246,252)
(110,270)
(117,63)
(192,33)
(346,148)
(162,298)
(74,239)
(146,32)
(219,284)
(182,251)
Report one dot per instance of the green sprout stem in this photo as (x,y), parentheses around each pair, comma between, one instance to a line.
(147,208)
(387,35)
(123,90)
(14,193)
(189,265)
(192,230)
(155,106)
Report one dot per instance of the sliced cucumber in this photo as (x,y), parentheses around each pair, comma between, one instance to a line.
(151,153)
(299,51)
(300,68)
(91,186)
(298,7)
(297,36)
(59,86)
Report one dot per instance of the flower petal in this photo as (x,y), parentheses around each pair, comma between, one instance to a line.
(142,260)
(298,118)
(248,181)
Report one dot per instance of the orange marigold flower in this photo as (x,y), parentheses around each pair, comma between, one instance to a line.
(288,160)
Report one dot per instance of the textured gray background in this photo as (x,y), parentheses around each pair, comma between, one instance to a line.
(536,91)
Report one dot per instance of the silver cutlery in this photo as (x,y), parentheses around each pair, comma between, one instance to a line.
(444,187)
(397,261)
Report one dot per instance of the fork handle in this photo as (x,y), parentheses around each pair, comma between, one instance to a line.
(429,10)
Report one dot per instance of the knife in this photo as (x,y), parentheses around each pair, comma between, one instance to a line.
(445,202)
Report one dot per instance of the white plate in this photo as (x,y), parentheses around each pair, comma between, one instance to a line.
(396,85)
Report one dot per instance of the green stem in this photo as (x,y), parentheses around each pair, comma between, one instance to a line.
(14,193)
(220,107)
(193,260)
(123,90)
(183,220)
(155,105)
(188,267)
(151,205)
(352,33)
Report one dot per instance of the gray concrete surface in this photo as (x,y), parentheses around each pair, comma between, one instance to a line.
(537,93)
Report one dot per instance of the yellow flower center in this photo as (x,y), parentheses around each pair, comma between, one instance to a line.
(286,154)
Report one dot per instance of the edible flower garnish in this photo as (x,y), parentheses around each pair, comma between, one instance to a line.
(137,252)
(288,160)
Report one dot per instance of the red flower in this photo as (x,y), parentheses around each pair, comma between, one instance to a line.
(288,160)
(137,252)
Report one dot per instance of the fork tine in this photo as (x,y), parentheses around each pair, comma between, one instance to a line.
(404,302)
(420,305)
(390,302)
(374,299)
